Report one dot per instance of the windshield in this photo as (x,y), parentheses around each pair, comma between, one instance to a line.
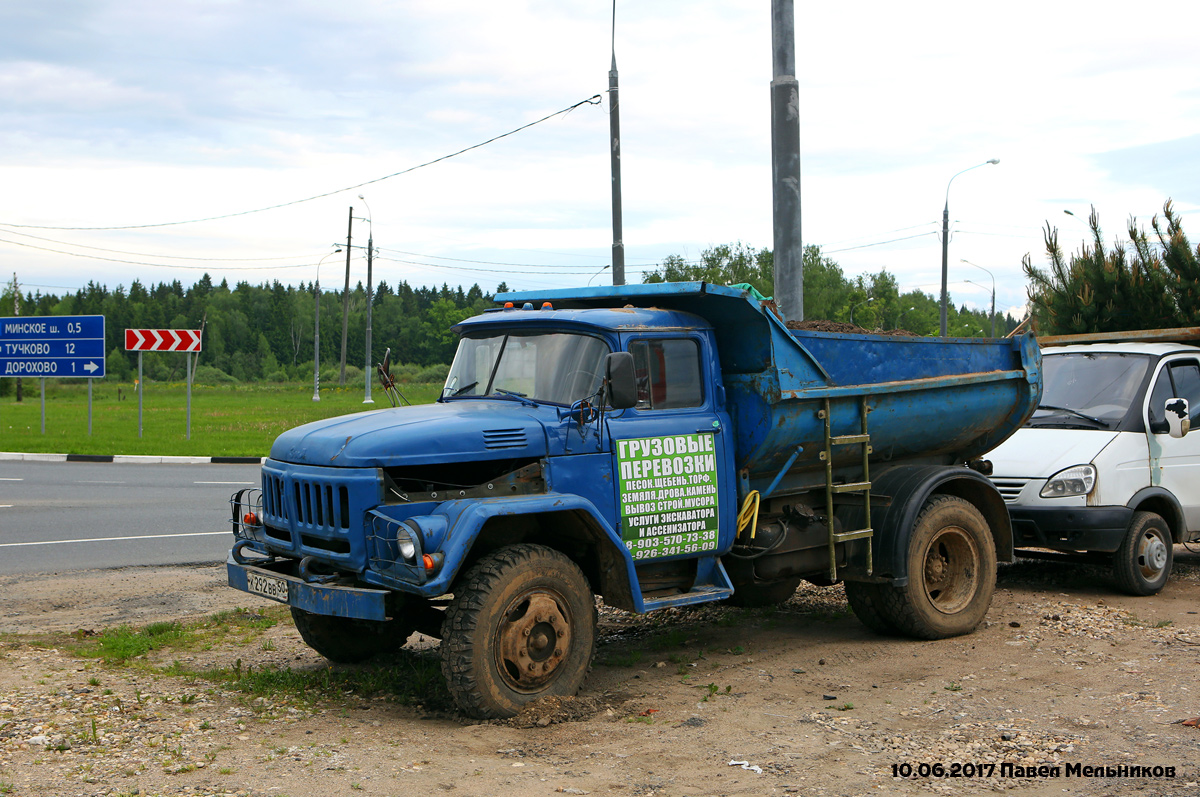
(1086,390)
(554,367)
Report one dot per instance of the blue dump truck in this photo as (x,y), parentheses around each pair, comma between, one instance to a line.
(655,445)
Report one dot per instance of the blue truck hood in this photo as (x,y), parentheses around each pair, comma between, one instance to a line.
(454,431)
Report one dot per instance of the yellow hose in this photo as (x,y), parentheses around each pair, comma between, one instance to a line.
(749,514)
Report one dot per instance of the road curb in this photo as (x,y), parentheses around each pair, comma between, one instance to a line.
(129,459)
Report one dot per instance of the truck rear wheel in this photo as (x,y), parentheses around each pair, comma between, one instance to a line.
(866,602)
(1142,564)
(522,625)
(753,595)
(951,574)
(348,641)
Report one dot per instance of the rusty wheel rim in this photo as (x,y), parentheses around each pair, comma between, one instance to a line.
(951,570)
(533,640)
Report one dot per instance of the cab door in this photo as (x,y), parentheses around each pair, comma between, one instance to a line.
(673,453)
(1175,462)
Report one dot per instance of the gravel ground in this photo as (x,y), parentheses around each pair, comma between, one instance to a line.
(708,700)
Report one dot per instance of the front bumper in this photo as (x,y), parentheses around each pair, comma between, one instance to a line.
(274,580)
(1075,528)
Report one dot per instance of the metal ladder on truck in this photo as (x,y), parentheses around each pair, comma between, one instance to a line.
(863,486)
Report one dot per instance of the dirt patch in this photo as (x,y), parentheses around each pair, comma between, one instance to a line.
(708,700)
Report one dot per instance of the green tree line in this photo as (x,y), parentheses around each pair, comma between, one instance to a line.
(265,332)
(871,301)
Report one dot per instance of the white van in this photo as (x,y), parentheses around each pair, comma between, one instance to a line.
(1105,464)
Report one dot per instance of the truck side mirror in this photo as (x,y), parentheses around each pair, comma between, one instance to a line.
(622,387)
(1176,413)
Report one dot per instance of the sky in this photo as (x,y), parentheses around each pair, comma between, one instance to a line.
(259,124)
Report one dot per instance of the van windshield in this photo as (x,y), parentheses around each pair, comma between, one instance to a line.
(551,367)
(1089,390)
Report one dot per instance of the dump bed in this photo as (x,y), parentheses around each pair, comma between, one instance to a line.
(937,400)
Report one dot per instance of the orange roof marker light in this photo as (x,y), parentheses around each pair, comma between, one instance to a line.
(508,305)
(547,306)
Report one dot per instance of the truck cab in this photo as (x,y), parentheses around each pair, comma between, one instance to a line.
(1098,469)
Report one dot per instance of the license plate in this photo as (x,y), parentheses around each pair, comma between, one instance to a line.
(268,586)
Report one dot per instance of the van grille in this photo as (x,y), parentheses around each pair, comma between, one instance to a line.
(1010,489)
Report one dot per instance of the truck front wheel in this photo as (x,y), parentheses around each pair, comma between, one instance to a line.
(522,625)
(1143,562)
(348,641)
(951,576)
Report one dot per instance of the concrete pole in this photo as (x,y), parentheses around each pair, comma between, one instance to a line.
(317,341)
(367,371)
(614,133)
(346,301)
(785,163)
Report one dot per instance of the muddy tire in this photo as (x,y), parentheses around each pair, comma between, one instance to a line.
(1143,563)
(951,574)
(349,641)
(522,626)
(865,601)
(766,593)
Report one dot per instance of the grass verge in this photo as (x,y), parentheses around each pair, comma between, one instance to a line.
(406,677)
(227,420)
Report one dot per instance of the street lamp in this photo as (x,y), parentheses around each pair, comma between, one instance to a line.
(597,274)
(901,316)
(946,238)
(317,330)
(370,251)
(993,276)
(866,301)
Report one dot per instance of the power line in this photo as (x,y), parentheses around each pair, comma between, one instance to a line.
(593,100)
(150,265)
(880,243)
(145,254)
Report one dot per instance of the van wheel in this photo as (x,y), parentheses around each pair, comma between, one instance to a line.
(951,573)
(522,625)
(348,641)
(1142,565)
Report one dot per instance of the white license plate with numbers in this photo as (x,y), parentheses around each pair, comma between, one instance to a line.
(268,586)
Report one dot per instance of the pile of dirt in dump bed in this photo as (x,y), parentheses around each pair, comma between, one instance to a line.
(819,325)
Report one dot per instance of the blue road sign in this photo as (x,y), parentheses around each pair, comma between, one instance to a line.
(52,345)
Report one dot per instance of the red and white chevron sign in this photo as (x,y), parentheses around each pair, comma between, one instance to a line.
(162,340)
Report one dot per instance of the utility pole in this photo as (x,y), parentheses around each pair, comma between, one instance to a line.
(785,163)
(614,134)
(346,301)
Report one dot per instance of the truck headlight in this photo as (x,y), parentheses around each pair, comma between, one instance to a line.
(1075,480)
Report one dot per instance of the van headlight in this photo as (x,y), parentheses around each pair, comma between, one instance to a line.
(1075,480)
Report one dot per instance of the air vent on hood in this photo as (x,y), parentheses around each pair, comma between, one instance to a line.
(504,438)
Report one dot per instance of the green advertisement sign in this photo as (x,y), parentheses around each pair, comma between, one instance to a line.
(668,495)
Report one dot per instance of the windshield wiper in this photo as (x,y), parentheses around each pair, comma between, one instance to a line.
(1076,413)
(521,397)
(463,389)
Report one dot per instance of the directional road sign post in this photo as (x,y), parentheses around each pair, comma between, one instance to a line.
(56,345)
(184,340)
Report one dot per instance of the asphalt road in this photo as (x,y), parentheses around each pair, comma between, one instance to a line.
(63,516)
